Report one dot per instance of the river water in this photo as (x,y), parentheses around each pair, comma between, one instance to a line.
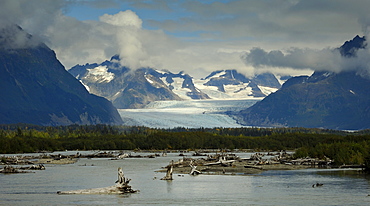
(294,187)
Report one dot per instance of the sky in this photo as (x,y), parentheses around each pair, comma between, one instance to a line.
(198,37)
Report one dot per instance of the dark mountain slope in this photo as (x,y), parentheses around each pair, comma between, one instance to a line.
(36,89)
(325,99)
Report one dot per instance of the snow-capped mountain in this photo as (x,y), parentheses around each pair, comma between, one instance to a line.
(136,89)
(229,84)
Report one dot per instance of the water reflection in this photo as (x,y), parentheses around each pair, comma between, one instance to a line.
(169,185)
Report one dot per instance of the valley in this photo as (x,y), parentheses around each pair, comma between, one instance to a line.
(187,113)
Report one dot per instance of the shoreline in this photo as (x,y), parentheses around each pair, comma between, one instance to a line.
(207,162)
(56,161)
(237,168)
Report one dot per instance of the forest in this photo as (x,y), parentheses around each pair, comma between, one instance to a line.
(342,146)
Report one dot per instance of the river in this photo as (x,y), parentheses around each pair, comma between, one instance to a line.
(293,187)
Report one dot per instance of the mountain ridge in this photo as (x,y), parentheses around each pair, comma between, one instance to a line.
(129,89)
(38,90)
(324,99)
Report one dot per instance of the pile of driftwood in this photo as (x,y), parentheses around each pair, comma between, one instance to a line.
(228,163)
(116,156)
(15,160)
(10,169)
(37,159)
(121,187)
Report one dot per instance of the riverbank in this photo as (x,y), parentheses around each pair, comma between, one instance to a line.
(239,167)
(205,161)
(226,163)
(38,159)
(56,161)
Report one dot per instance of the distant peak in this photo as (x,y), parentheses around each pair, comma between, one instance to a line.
(350,47)
(357,37)
(13,36)
(115,57)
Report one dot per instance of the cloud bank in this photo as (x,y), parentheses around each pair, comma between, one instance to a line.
(302,59)
(81,42)
(198,36)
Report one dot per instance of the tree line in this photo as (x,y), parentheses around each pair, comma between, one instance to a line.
(343,147)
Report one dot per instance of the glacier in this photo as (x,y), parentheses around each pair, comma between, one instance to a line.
(188,113)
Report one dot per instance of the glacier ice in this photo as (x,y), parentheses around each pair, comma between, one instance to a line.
(188,114)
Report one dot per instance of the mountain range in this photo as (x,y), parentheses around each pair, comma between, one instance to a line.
(127,88)
(324,99)
(36,88)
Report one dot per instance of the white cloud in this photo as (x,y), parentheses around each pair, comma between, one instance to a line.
(294,58)
(81,42)
(216,32)
(126,26)
(123,18)
(302,59)
(272,23)
(34,16)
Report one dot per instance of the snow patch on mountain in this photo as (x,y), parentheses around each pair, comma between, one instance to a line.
(267,90)
(220,74)
(149,80)
(176,87)
(240,91)
(160,71)
(87,87)
(99,74)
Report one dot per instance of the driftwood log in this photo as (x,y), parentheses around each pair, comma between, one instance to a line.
(33,167)
(168,173)
(194,170)
(9,169)
(121,187)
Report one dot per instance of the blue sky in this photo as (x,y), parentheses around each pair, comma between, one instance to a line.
(149,11)
(194,36)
